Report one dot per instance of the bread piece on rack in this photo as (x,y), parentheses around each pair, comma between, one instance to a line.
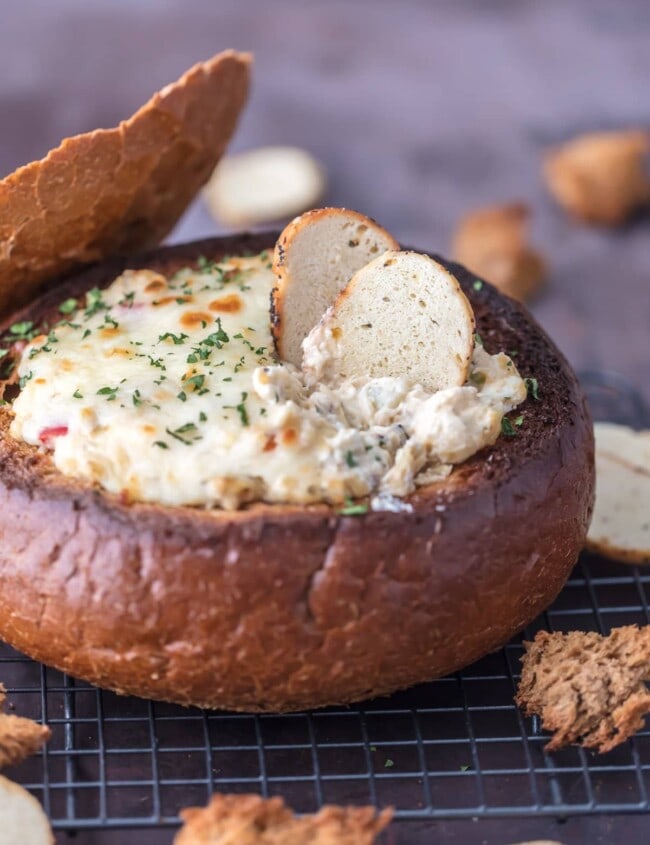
(252,820)
(587,689)
(22,820)
(19,737)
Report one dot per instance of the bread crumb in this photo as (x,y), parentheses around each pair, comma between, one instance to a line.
(602,177)
(252,820)
(587,689)
(493,243)
(19,737)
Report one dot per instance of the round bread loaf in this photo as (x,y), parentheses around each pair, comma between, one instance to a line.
(280,607)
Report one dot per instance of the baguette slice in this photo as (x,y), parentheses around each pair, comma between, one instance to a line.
(403,314)
(620,527)
(19,737)
(315,257)
(22,820)
(251,820)
(264,185)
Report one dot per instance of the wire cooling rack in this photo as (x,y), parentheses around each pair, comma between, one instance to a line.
(457,747)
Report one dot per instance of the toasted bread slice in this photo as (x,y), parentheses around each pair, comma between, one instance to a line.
(620,526)
(315,257)
(114,191)
(623,443)
(264,185)
(251,820)
(22,820)
(588,689)
(403,314)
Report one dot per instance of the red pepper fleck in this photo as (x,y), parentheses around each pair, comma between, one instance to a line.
(48,434)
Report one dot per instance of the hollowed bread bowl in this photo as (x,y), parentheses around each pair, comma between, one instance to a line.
(280,607)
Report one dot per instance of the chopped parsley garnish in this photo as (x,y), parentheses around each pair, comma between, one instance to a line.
(22,381)
(109,392)
(137,399)
(156,362)
(77,394)
(352,509)
(160,444)
(196,382)
(127,299)
(203,417)
(478,339)
(478,284)
(186,434)
(177,339)
(533,387)
(241,409)
(350,460)
(94,302)
(388,763)
(22,331)
(519,420)
(182,396)
(109,321)
(507,427)
(85,334)
(68,306)
(240,364)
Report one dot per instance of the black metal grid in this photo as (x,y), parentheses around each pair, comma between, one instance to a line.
(457,747)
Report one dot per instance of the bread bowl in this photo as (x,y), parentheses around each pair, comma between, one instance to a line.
(280,607)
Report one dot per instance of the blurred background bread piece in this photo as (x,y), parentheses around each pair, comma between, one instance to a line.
(493,243)
(264,185)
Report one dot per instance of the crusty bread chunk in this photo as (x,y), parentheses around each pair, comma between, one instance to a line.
(493,243)
(403,314)
(315,257)
(19,737)
(264,185)
(22,820)
(114,191)
(251,820)
(602,177)
(620,526)
(587,689)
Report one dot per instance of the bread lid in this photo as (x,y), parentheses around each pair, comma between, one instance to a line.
(115,191)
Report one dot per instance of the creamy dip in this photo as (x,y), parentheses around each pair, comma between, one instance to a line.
(165,389)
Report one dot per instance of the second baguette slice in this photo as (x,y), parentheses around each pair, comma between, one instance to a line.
(403,314)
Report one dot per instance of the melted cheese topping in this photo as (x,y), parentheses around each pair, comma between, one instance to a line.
(165,390)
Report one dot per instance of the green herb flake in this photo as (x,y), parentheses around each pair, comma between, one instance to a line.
(350,460)
(182,396)
(186,434)
(137,399)
(507,428)
(22,331)
(465,768)
(203,417)
(478,284)
(94,302)
(478,339)
(352,509)
(160,444)
(388,763)
(68,306)
(22,381)
(519,420)
(177,339)
(533,387)
(109,392)
(196,382)
(241,409)
(77,394)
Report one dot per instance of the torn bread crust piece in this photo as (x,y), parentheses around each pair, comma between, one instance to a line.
(19,737)
(587,689)
(403,314)
(114,191)
(601,177)
(315,257)
(22,820)
(493,243)
(620,526)
(252,820)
